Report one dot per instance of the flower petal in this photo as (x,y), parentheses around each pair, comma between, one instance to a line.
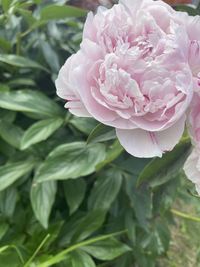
(144,144)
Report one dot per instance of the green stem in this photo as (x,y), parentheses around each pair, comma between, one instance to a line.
(27,264)
(18,44)
(185,216)
(61,256)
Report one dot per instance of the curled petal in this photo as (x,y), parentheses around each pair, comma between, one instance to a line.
(144,144)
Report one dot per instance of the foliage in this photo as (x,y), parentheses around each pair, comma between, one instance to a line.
(69,194)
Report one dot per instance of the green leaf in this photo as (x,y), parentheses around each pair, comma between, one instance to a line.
(61,12)
(84,125)
(8,200)
(101,133)
(40,131)
(10,172)
(11,133)
(6,4)
(21,62)
(42,199)
(105,190)
(161,170)
(79,258)
(107,249)
(112,153)
(88,225)
(50,56)
(74,193)
(3,229)
(71,161)
(189,9)
(29,101)
(140,200)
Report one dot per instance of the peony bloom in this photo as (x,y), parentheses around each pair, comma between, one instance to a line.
(192,168)
(132,73)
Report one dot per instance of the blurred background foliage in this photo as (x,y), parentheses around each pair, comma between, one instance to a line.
(69,195)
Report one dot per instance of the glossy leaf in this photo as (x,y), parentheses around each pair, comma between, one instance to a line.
(40,131)
(10,172)
(71,161)
(101,133)
(29,101)
(42,199)
(21,62)
(107,249)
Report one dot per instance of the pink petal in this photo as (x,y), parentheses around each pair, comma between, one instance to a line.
(144,144)
(191,167)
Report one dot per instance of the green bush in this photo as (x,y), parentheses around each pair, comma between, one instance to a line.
(69,194)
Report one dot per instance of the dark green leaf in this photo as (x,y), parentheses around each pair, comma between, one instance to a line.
(88,225)
(105,190)
(140,200)
(189,9)
(3,229)
(71,161)
(107,249)
(84,125)
(74,193)
(112,153)
(101,133)
(61,12)
(161,170)
(8,200)
(42,199)
(29,101)
(39,131)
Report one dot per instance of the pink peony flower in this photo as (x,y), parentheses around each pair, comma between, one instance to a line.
(132,73)
(192,168)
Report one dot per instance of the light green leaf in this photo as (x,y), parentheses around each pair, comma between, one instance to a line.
(107,249)
(105,190)
(61,12)
(30,101)
(74,193)
(42,199)
(161,170)
(40,131)
(10,172)
(21,62)
(101,133)
(71,161)
(11,133)
(79,258)
(6,4)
